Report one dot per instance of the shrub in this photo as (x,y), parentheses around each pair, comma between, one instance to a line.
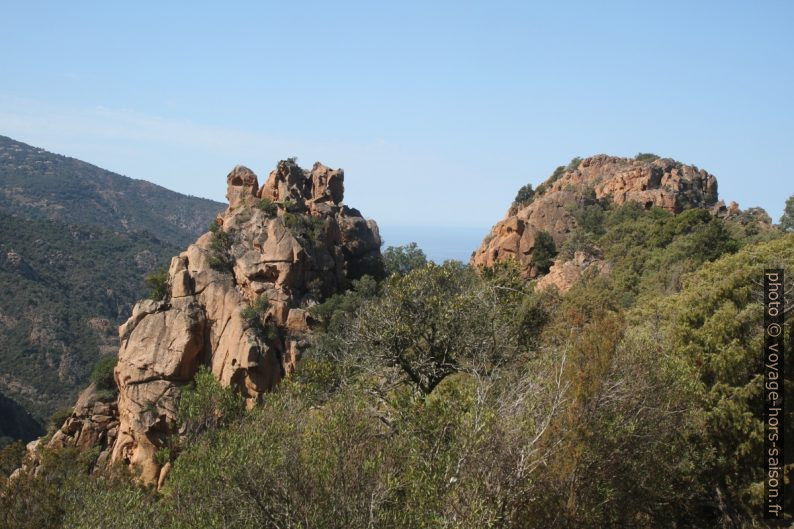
(102,374)
(157,282)
(220,245)
(306,227)
(787,219)
(646,157)
(544,252)
(252,314)
(267,206)
(401,260)
(206,405)
(525,195)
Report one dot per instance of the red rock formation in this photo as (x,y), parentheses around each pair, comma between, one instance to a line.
(663,183)
(293,249)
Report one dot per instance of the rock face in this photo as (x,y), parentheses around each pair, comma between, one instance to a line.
(276,250)
(93,423)
(565,274)
(663,183)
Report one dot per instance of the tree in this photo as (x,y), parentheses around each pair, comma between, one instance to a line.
(525,195)
(157,282)
(544,252)
(401,260)
(433,322)
(787,219)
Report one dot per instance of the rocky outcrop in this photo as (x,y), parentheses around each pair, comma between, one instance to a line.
(662,183)
(92,423)
(237,303)
(564,274)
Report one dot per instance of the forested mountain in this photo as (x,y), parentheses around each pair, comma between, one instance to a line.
(63,291)
(35,183)
(75,244)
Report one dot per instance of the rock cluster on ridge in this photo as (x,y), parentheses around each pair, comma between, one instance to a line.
(277,249)
(662,183)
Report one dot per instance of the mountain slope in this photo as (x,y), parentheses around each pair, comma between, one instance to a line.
(63,291)
(35,183)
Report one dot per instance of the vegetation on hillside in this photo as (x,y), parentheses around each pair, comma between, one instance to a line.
(42,185)
(63,292)
(445,397)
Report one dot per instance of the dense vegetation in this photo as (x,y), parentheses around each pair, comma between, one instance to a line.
(75,242)
(38,184)
(448,397)
(63,292)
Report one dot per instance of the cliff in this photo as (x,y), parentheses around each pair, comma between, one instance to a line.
(649,181)
(235,301)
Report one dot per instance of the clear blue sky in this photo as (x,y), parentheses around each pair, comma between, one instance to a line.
(437,111)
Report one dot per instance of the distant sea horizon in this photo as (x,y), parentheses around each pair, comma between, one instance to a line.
(439,243)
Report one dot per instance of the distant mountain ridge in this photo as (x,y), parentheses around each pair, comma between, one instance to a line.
(35,183)
(75,244)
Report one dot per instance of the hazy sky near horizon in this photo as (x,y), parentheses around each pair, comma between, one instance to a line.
(438,112)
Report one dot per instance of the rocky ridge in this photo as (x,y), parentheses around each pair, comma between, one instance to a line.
(237,303)
(659,182)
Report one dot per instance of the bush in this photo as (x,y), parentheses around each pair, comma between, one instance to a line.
(525,195)
(646,157)
(544,252)
(102,374)
(220,245)
(308,228)
(206,405)
(157,282)
(268,206)
(253,314)
(787,219)
(401,260)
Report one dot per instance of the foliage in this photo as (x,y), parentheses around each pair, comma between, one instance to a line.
(333,312)
(39,185)
(646,157)
(787,219)
(307,228)
(59,417)
(157,283)
(62,301)
(716,324)
(206,405)
(525,195)
(431,323)
(267,206)
(220,247)
(102,374)
(544,252)
(401,260)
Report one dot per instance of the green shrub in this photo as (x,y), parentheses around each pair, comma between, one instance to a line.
(646,157)
(206,405)
(308,228)
(401,260)
(157,282)
(220,246)
(544,252)
(102,374)
(525,195)
(252,314)
(787,219)
(267,206)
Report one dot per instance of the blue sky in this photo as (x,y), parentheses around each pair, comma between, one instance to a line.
(438,112)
